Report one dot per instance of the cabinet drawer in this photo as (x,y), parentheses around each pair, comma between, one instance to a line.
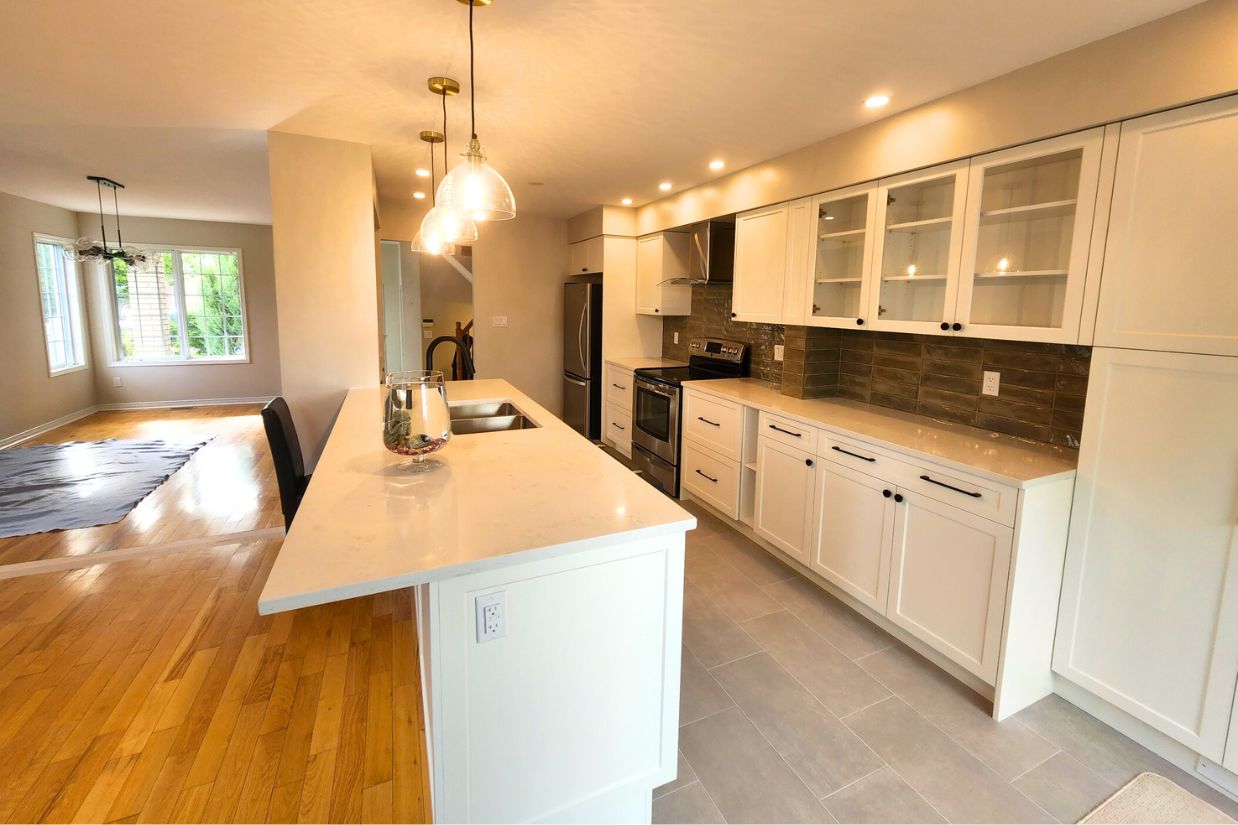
(619,428)
(970,493)
(711,478)
(964,491)
(619,388)
(786,431)
(713,423)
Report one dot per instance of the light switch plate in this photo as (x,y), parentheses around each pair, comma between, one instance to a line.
(498,320)
(777,352)
(118,382)
(992,381)
(676,334)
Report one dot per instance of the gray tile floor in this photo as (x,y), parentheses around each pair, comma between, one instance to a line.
(795,709)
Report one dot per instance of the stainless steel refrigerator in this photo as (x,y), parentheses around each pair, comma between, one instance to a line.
(582,356)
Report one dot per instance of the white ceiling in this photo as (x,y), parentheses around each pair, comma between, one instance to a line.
(598,100)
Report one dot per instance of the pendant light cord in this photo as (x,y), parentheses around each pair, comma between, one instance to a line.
(472,79)
(102,225)
(120,242)
(445,163)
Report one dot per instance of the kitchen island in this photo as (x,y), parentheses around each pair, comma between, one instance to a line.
(548,583)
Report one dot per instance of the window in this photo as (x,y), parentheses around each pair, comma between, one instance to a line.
(180,305)
(62,306)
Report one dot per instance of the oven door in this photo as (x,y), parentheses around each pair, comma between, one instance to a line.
(655,418)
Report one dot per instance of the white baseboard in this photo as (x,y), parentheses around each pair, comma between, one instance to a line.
(189,402)
(26,435)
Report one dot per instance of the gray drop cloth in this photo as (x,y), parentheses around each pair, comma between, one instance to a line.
(82,483)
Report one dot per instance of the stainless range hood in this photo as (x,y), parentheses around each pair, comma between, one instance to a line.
(711,256)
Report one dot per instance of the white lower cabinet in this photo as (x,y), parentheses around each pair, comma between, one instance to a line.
(710,477)
(853,521)
(948,578)
(617,429)
(784,497)
(1149,616)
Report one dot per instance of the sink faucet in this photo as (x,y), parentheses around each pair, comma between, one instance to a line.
(466,360)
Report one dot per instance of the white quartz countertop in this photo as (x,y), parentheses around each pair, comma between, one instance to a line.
(644,363)
(494,499)
(1001,457)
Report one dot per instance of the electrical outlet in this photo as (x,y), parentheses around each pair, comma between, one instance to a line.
(991,382)
(676,334)
(498,320)
(118,382)
(491,616)
(777,352)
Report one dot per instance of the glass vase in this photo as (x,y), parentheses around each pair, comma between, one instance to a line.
(416,421)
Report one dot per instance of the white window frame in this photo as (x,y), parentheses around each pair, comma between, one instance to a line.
(117,356)
(75,306)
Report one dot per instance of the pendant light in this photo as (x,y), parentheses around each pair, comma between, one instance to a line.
(88,249)
(432,242)
(474,188)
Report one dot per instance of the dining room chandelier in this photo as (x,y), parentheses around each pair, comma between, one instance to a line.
(88,249)
(474,188)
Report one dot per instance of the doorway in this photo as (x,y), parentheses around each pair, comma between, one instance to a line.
(426,297)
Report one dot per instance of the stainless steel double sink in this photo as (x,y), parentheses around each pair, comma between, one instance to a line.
(487,417)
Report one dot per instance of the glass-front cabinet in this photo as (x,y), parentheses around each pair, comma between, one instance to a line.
(1026,239)
(916,258)
(842,256)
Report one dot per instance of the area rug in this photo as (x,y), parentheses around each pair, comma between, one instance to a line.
(82,483)
(1152,798)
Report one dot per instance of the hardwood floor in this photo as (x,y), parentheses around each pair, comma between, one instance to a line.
(150,690)
(227,487)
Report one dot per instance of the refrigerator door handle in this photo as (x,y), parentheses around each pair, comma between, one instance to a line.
(580,338)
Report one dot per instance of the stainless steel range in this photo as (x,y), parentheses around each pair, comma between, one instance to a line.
(657,398)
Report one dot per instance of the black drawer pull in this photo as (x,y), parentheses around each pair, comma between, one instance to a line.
(711,478)
(788,432)
(619,386)
(707,421)
(620,426)
(808,462)
(886,493)
(853,455)
(949,487)
(898,497)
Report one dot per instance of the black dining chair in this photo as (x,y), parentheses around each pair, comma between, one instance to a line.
(286,453)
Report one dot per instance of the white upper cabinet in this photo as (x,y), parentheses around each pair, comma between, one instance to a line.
(799,252)
(659,258)
(841,266)
(761,238)
(586,256)
(916,259)
(1026,238)
(1170,279)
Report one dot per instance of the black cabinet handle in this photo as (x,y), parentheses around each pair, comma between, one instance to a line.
(949,486)
(619,386)
(707,421)
(886,493)
(788,432)
(944,325)
(620,426)
(584,269)
(853,455)
(808,461)
(732,314)
(898,497)
(711,478)
(656,309)
(859,322)
(956,326)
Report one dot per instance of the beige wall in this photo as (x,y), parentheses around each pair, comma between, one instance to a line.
(322,214)
(1181,58)
(518,268)
(29,397)
(258,378)
(446,297)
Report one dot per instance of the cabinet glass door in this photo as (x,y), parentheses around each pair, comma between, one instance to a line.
(1028,227)
(917,259)
(842,256)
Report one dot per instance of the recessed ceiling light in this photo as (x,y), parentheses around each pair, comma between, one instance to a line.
(423,173)
(665,186)
(717,164)
(419,196)
(626,201)
(537,183)
(876,101)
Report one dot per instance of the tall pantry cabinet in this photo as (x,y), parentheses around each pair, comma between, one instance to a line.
(1149,609)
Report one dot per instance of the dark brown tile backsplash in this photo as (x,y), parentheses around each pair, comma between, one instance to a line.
(1042,385)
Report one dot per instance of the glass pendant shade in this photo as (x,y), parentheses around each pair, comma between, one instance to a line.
(476,190)
(433,244)
(448,225)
